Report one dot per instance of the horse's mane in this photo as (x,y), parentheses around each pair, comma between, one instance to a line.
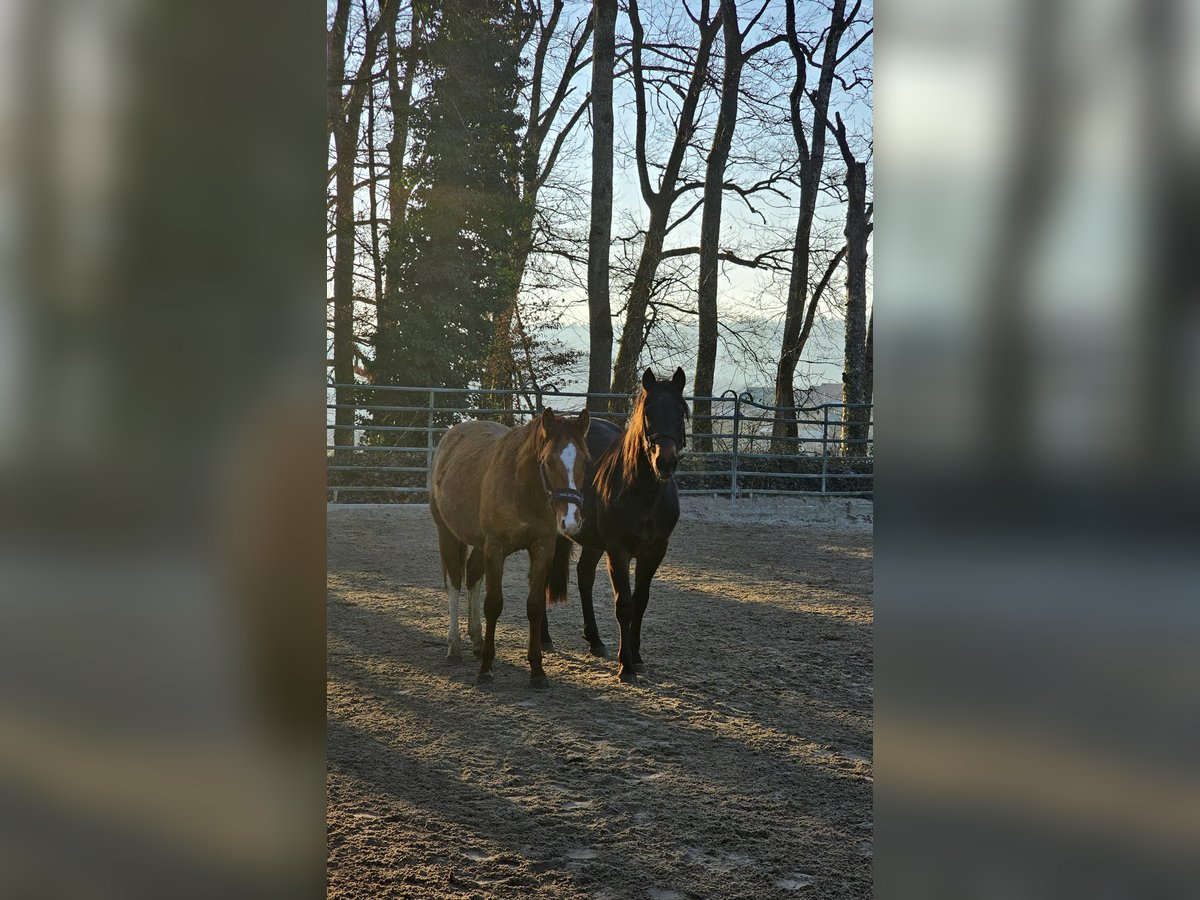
(617,468)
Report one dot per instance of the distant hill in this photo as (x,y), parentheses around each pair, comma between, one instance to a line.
(820,365)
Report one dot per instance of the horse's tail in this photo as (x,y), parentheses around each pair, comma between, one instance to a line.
(556,584)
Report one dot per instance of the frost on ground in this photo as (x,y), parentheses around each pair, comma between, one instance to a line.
(839,513)
(741,766)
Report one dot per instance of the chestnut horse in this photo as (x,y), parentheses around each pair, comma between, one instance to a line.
(630,508)
(499,490)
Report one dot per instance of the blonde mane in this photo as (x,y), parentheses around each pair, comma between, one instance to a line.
(617,469)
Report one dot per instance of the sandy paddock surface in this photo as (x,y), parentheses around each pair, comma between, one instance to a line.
(739,767)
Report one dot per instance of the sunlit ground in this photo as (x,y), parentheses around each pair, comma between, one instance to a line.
(740,766)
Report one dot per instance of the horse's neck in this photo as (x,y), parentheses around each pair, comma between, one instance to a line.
(527,450)
(644,483)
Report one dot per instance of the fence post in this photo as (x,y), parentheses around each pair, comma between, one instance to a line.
(824,443)
(737,424)
(429,450)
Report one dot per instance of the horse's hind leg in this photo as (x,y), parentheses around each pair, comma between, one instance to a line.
(586,572)
(453,553)
(475,599)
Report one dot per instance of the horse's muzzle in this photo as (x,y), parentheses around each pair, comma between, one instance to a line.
(571,521)
(664,469)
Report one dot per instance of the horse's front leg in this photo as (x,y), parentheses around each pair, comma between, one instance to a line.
(541,556)
(493,603)
(647,564)
(618,572)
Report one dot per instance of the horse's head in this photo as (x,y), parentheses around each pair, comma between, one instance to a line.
(663,423)
(563,458)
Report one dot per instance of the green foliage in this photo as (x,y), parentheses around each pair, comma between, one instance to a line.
(453,266)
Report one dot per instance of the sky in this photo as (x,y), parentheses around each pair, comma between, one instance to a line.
(754,299)
(750,301)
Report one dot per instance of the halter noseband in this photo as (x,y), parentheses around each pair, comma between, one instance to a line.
(654,440)
(570,495)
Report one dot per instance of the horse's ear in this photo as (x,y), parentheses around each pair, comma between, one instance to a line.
(679,379)
(545,421)
(648,379)
(582,421)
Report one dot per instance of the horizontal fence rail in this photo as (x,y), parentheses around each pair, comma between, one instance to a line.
(381,440)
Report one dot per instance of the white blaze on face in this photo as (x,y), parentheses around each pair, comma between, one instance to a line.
(571,521)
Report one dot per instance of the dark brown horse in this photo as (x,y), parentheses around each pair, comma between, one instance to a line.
(500,490)
(630,507)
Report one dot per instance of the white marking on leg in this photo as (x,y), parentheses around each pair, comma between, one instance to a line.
(475,614)
(454,647)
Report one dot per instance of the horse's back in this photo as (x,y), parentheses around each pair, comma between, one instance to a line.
(466,440)
(600,436)
(459,465)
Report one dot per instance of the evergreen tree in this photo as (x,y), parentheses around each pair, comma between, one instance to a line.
(452,267)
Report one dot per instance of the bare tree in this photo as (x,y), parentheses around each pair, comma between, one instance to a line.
(658,201)
(798,319)
(600,235)
(855,392)
(372,189)
(546,133)
(710,222)
(400,97)
(344,118)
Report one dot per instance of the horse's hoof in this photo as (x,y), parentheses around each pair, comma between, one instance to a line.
(547,646)
(539,682)
(478,651)
(639,666)
(454,656)
(599,650)
(627,676)
(484,679)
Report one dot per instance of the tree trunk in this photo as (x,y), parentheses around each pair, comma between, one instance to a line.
(633,332)
(372,191)
(869,361)
(855,418)
(798,320)
(400,90)
(504,359)
(710,225)
(600,236)
(343,273)
(660,201)
(510,358)
(343,290)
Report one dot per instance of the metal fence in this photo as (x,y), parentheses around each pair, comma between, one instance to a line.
(388,435)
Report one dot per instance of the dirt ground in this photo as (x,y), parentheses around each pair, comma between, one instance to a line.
(739,767)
